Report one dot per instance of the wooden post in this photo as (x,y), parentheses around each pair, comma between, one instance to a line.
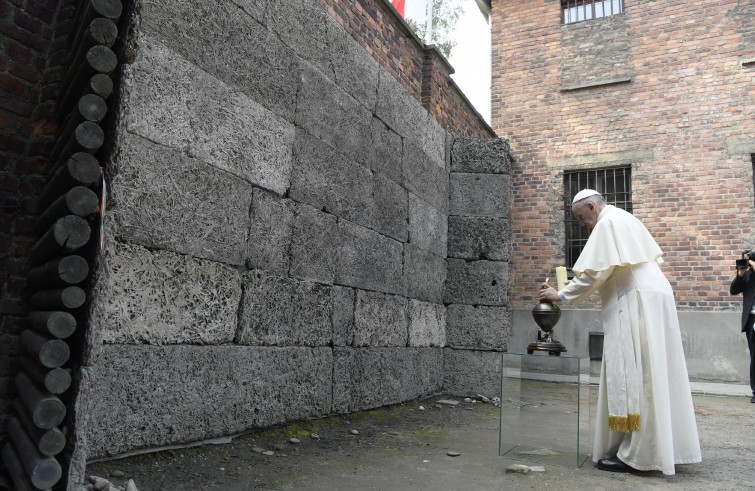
(55,380)
(56,323)
(15,470)
(81,169)
(67,235)
(48,442)
(51,353)
(47,411)
(79,201)
(70,297)
(87,136)
(43,471)
(97,59)
(59,272)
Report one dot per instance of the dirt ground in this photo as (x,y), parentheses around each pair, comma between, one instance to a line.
(403,447)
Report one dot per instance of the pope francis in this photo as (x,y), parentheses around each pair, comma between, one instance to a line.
(645,420)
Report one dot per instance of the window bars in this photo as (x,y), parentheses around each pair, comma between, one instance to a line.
(579,10)
(615,184)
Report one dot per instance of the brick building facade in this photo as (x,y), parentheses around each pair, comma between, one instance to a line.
(665,88)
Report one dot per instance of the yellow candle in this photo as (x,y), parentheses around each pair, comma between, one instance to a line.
(561,277)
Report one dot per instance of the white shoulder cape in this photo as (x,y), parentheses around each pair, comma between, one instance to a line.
(618,239)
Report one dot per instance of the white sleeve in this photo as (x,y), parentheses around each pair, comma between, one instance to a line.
(583,285)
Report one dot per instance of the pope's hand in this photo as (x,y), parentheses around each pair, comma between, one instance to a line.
(547,292)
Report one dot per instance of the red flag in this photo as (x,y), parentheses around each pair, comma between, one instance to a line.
(398,5)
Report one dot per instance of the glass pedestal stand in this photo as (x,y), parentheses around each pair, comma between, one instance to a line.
(545,409)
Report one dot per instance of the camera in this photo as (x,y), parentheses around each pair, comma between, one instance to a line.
(747,255)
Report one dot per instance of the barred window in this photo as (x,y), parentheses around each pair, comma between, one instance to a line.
(615,184)
(579,10)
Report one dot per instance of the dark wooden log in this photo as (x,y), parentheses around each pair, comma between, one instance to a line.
(70,297)
(59,272)
(54,380)
(58,324)
(46,410)
(98,31)
(92,107)
(51,353)
(89,9)
(67,235)
(80,169)
(98,84)
(86,136)
(43,471)
(15,469)
(79,201)
(49,442)
(83,66)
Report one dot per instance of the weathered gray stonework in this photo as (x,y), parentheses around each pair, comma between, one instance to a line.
(368,378)
(469,372)
(162,198)
(380,320)
(149,396)
(170,102)
(478,327)
(279,220)
(159,297)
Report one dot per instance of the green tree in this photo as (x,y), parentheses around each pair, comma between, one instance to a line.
(446,14)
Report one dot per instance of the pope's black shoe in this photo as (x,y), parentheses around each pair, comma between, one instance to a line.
(753,399)
(614,464)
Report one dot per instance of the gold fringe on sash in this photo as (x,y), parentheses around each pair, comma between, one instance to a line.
(624,424)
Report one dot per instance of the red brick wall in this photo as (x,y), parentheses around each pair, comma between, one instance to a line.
(383,34)
(32,51)
(685,122)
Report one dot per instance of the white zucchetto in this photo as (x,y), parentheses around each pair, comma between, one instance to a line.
(585,193)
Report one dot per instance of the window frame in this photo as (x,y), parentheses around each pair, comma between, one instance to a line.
(616,192)
(588,7)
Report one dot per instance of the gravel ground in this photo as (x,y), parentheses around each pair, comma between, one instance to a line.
(403,447)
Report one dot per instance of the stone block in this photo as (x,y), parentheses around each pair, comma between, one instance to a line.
(427,324)
(467,373)
(366,378)
(380,319)
(387,152)
(479,238)
(163,199)
(478,156)
(270,234)
(343,315)
(477,282)
(368,260)
(313,244)
(201,393)
(478,327)
(330,181)
(167,100)
(423,178)
(325,111)
(424,274)
(398,109)
(390,214)
(228,44)
(356,71)
(280,311)
(433,141)
(480,195)
(303,26)
(428,227)
(159,297)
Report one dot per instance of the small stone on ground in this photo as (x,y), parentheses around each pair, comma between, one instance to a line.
(448,402)
(452,453)
(518,468)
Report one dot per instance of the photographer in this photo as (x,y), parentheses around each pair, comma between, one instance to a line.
(744,283)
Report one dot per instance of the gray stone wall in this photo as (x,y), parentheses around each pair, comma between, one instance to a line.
(478,316)
(277,232)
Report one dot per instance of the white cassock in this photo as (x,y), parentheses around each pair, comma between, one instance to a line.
(645,414)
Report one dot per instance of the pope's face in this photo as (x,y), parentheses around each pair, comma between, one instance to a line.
(586,213)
